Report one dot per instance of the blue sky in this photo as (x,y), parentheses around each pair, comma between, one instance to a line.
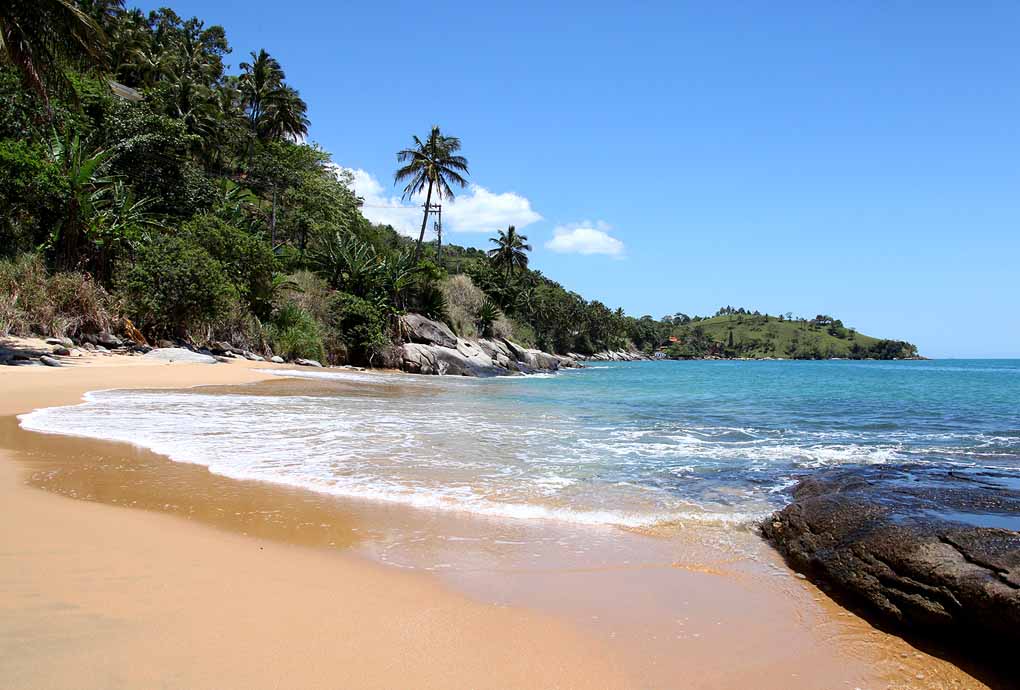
(855,159)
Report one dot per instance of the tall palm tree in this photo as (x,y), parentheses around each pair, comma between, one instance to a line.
(42,37)
(511,252)
(431,164)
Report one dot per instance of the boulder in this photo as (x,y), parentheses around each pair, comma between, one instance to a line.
(49,361)
(418,358)
(62,342)
(533,359)
(277,359)
(427,332)
(221,347)
(932,550)
(109,340)
(61,351)
(178,354)
(166,344)
(308,362)
(499,353)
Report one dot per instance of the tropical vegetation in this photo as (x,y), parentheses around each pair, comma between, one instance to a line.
(143,181)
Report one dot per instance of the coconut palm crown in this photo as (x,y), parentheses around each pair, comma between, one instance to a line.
(431,165)
(511,252)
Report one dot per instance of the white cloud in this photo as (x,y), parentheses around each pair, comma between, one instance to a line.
(585,238)
(476,210)
(483,211)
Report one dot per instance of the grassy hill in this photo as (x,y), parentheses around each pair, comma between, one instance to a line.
(761,335)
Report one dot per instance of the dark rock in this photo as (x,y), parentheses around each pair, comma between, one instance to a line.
(109,340)
(61,351)
(87,345)
(49,361)
(934,551)
(221,347)
(165,344)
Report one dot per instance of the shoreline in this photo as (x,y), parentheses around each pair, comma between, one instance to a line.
(545,604)
(98,596)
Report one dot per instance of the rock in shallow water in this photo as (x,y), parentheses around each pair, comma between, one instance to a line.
(933,550)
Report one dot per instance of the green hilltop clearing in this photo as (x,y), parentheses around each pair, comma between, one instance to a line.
(738,333)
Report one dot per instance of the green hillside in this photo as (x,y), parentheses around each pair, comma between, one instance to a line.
(760,335)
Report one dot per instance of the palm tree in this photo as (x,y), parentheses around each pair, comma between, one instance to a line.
(275,110)
(42,37)
(510,252)
(431,164)
(261,77)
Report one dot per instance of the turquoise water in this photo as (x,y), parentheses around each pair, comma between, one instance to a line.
(630,444)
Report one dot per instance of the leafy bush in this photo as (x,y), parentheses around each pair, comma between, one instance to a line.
(239,327)
(361,324)
(62,304)
(175,286)
(295,333)
(33,194)
(247,261)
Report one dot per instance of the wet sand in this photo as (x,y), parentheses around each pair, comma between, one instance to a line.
(222,583)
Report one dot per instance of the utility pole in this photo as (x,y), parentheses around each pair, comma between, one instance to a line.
(439,233)
(437,226)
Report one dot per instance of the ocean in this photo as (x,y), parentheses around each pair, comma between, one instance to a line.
(634,445)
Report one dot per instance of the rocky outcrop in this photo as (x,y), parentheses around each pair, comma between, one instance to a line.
(934,551)
(612,356)
(434,349)
(428,332)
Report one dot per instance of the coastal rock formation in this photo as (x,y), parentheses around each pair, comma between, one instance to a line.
(464,360)
(434,349)
(178,354)
(612,356)
(428,332)
(934,551)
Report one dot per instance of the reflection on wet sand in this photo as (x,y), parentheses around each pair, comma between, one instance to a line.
(713,606)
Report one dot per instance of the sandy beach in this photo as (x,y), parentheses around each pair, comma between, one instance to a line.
(192,591)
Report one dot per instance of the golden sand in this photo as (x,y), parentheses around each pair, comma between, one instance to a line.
(221,583)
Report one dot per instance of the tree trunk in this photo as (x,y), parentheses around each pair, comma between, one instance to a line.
(424,222)
(272,223)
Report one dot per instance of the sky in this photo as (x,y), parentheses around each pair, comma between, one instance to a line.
(854,159)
